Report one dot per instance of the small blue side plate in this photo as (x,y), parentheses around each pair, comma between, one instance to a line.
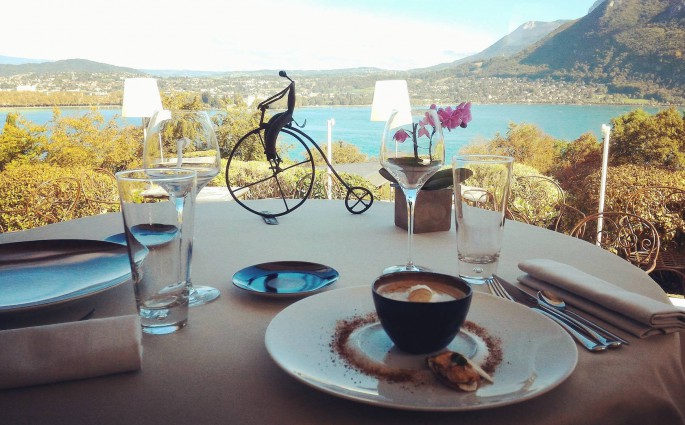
(285,278)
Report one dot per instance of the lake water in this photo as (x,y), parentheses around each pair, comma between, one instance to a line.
(565,122)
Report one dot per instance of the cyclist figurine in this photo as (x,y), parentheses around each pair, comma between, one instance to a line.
(279,120)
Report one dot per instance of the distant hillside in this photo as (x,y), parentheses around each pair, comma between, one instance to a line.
(636,47)
(523,37)
(11,60)
(166,73)
(68,65)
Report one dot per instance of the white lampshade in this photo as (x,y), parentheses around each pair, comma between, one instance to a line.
(391,95)
(141,98)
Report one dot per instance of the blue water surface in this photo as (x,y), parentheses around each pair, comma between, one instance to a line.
(352,124)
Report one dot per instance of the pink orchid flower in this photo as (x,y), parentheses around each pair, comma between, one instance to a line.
(401,135)
(428,118)
(453,118)
(449,118)
(422,129)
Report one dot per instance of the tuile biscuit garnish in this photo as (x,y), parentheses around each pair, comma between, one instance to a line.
(456,371)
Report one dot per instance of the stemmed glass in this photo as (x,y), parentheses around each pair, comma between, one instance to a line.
(412,150)
(185,139)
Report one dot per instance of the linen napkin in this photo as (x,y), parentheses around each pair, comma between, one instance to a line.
(73,350)
(635,313)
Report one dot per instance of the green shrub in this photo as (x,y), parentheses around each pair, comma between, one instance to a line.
(244,173)
(622,181)
(291,181)
(339,191)
(21,209)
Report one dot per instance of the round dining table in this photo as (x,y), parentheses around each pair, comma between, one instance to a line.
(217,370)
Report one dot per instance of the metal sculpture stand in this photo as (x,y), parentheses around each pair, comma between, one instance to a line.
(280,129)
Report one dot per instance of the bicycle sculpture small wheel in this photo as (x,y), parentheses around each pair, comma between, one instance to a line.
(291,167)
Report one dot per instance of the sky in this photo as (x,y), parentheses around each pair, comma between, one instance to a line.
(232,35)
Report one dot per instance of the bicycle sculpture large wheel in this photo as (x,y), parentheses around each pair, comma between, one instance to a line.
(291,169)
(290,180)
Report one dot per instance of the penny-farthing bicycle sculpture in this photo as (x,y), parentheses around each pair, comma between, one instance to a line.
(289,179)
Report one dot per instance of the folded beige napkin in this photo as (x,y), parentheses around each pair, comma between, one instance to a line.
(640,315)
(72,350)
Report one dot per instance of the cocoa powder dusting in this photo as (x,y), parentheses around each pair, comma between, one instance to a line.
(343,330)
(493,343)
(361,363)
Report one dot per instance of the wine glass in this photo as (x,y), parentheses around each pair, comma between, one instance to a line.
(185,139)
(412,150)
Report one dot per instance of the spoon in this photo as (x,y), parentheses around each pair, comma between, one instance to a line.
(553,300)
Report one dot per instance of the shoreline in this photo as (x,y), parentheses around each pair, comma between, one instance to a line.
(117,105)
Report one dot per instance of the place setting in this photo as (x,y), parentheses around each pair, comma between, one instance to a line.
(57,292)
(413,339)
(348,352)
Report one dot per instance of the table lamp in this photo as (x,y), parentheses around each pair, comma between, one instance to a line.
(391,95)
(141,99)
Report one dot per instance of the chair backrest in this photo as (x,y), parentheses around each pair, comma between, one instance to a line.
(663,206)
(56,199)
(568,217)
(626,235)
(536,200)
(99,190)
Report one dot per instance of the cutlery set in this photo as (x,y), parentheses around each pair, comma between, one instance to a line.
(590,335)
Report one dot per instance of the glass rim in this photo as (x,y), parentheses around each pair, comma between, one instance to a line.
(165,174)
(477,158)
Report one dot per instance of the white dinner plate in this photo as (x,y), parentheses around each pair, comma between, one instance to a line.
(537,354)
(36,274)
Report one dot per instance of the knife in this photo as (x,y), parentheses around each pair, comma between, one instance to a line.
(522,297)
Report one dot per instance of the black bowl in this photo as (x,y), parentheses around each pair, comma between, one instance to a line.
(421,327)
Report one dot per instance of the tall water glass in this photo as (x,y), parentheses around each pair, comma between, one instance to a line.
(412,150)
(185,138)
(158,210)
(481,191)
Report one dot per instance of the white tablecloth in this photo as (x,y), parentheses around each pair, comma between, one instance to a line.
(217,370)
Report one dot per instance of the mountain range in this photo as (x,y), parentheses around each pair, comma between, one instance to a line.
(634,47)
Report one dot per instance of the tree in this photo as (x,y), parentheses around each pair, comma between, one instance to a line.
(182,100)
(655,140)
(343,153)
(526,143)
(234,123)
(577,160)
(584,149)
(19,140)
(87,141)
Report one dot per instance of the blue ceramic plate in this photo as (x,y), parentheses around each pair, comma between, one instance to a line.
(285,278)
(40,273)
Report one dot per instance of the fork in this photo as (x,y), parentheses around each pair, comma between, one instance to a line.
(496,289)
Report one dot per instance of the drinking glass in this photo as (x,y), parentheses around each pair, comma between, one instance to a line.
(157,206)
(412,150)
(481,191)
(185,139)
